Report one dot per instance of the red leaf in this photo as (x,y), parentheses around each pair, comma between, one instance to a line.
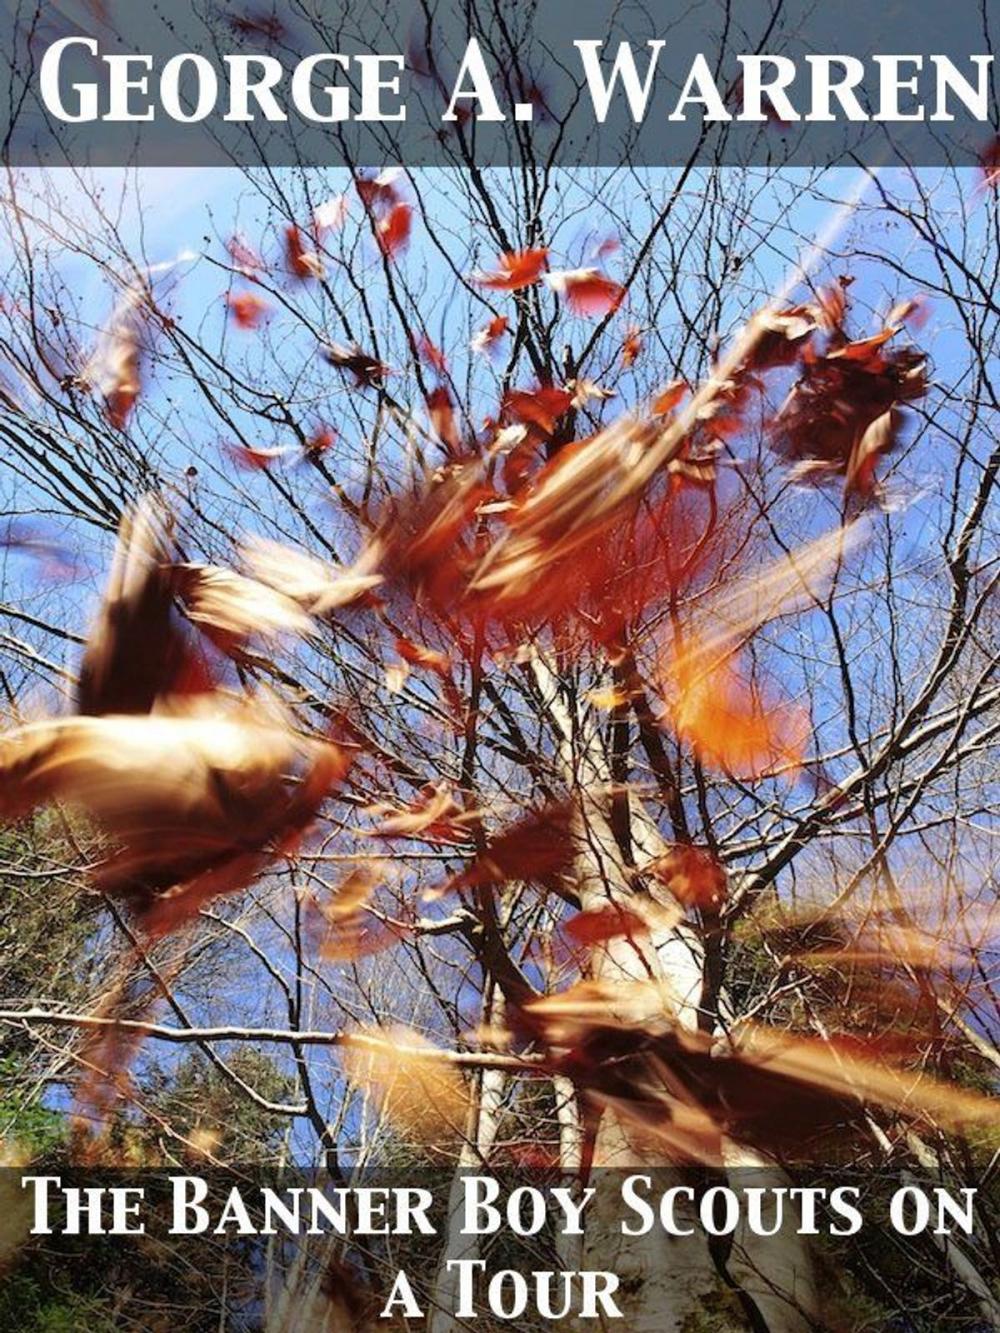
(246,259)
(442,415)
(587,291)
(254,459)
(517,269)
(431,355)
(419,655)
(247,309)
(393,231)
(692,874)
(304,263)
(488,337)
(379,192)
(540,407)
(631,348)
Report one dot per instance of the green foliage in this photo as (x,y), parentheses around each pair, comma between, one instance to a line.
(29,1306)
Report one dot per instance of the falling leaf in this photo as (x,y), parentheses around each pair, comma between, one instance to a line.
(318,588)
(396,676)
(247,309)
(244,256)
(585,391)
(393,231)
(435,816)
(114,369)
(541,407)
(607,699)
(197,804)
(914,311)
(517,269)
(487,339)
(729,722)
(135,651)
(368,371)
(255,458)
(54,559)
(421,1095)
(302,261)
(668,398)
(538,848)
(441,410)
(844,412)
(989,160)
(631,347)
(607,247)
(339,928)
(379,192)
(587,291)
(230,608)
(417,654)
(321,441)
(331,215)
(600,924)
(258,23)
(692,874)
(431,355)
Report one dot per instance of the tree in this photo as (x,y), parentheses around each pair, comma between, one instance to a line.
(669,692)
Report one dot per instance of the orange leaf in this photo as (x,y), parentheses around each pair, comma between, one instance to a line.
(247,309)
(728,722)
(517,269)
(420,1093)
(488,336)
(419,655)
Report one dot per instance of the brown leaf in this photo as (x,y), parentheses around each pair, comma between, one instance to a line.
(303,261)
(136,650)
(195,802)
(601,924)
(537,849)
(435,816)
(230,608)
(368,371)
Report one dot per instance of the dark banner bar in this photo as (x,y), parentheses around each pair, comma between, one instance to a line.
(422,1246)
(493,83)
